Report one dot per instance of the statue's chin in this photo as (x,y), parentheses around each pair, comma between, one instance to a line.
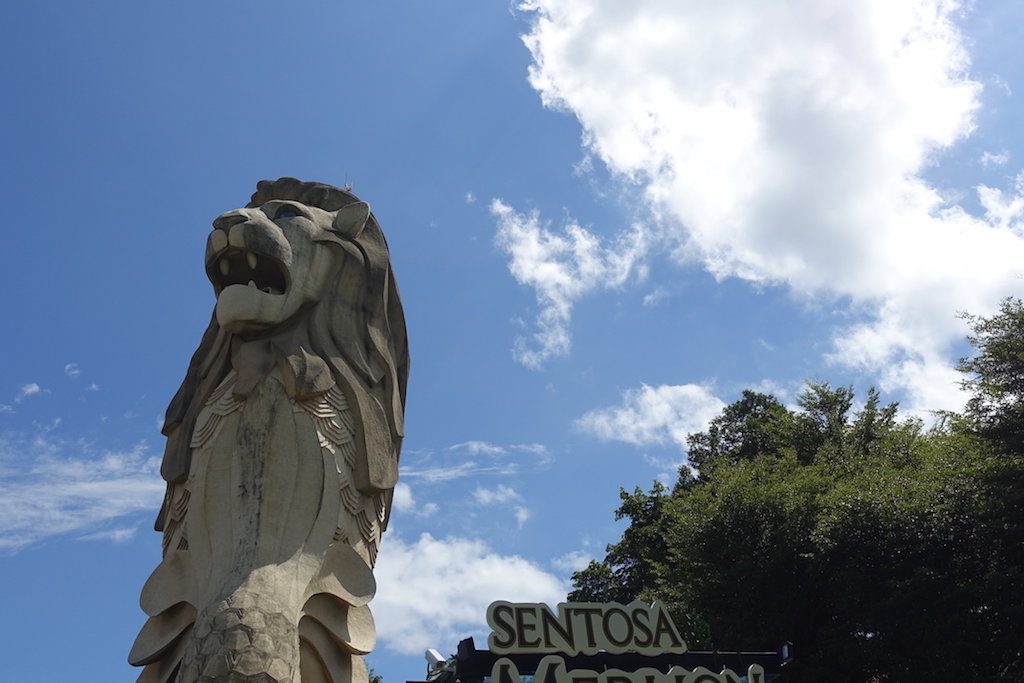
(242,309)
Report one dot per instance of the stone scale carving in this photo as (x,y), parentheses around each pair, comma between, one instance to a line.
(282,450)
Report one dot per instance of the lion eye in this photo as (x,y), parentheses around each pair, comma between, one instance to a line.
(287,211)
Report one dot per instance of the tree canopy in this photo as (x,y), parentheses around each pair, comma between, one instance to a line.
(882,549)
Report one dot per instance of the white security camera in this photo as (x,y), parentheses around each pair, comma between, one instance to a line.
(434,659)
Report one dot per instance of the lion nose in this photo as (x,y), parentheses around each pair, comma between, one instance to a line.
(229,218)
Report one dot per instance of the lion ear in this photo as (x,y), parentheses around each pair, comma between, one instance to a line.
(350,220)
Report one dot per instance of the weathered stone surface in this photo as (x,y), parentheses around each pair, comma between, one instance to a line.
(159,633)
(171,582)
(282,450)
(351,626)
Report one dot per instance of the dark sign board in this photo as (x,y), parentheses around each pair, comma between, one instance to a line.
(597,643)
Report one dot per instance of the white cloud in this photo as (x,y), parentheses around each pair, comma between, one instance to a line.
(784,392)
(477,447)
(534,448)
(434,592)
(120,535)
(428,466)
(72,370)
(1004,211)
(93,387)
(493,449)
(470,198)
(443,473)
(539,450)
(26,390)
(655,297)
(499,494)
(994,159)
(572,561)
(561,267)
(999,82)
(784,143)
(434,475)
(403,500)
(654,415)
(50,487)
(503,495)
(405,503)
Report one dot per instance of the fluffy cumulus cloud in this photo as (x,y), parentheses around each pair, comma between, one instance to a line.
(561,266)
(49,487)
(503,495)
(403,500)
(572,561)
(434,592)
(1004,209)
(659,415)
(785,143)
(405,503)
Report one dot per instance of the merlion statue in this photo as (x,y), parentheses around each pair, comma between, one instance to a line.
(282,450)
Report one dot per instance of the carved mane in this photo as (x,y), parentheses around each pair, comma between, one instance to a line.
(358,330)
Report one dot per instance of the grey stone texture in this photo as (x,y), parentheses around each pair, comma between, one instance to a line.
(282,450)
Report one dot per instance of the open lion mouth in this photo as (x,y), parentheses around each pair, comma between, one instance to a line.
(243,267)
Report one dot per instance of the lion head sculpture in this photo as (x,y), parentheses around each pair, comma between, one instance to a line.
(282,449)
(304,264)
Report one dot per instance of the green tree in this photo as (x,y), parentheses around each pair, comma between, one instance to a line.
(821,428)
(995,416)
(632,565)
(756,424)
(995,376)
(634,568)
(882,550)
(873,425)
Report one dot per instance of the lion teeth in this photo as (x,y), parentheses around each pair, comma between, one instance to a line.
(218,240)
(251,258)
(225,267)
(252,284)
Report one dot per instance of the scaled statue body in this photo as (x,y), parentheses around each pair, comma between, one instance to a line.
(282,450)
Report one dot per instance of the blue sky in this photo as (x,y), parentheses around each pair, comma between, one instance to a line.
(606,220)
